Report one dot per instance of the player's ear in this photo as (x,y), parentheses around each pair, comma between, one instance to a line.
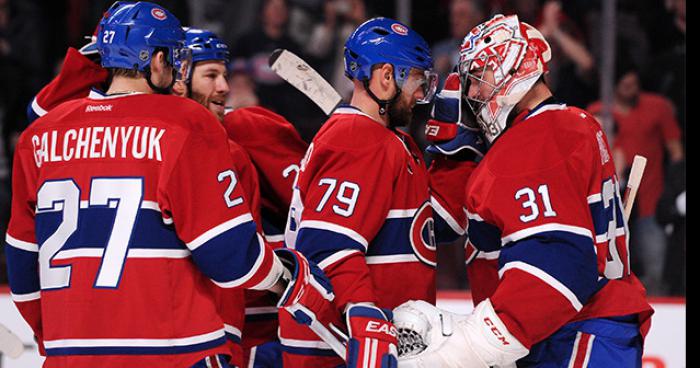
(386,77)
(180,89)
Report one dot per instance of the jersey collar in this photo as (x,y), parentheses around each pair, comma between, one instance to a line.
(347,109)
(549,104)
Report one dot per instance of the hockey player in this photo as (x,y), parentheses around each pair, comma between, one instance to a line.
(276,149)
(545,197)
(112,243)
(81,74)
(361,205)
(205,82)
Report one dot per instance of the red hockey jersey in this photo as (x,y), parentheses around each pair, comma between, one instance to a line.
(77,77)
(124,210)
(276,149)
(361,210)
(546,197)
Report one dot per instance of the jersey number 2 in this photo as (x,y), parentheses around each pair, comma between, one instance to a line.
(64,196)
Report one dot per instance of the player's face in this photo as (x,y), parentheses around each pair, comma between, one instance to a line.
(481,84)
(210,87)
(401,111)
(627,88)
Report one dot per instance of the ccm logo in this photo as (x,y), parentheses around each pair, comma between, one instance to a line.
(432,130)
(379,327)
(499,335)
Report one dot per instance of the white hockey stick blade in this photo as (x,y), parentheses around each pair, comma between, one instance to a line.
(10,344)
(633,182)
(303,77)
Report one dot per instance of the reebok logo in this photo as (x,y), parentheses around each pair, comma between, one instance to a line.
(98,108)
(379,327)
(499,335)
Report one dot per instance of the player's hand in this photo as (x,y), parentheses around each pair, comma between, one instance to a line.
(450,135)
(373,338)
(432,337)
(307,285)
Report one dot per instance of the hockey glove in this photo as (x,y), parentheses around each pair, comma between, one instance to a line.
(308,296)
(373,338)
(451,135)
(431,337)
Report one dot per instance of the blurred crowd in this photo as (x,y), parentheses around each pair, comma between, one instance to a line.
(648,106)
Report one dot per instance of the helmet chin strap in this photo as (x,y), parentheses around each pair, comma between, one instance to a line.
(383,104)
(160,90)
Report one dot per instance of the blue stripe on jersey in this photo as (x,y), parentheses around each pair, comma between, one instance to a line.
(233,338)
(602,217)
(569,258)
(22,270)
(484,236)
(443,231)
(229,255)
(318,244)
(136,350)
(392,238)
(95,227)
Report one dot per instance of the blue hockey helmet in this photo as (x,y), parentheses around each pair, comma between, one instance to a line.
(205,45)
(384,40)
(130,33)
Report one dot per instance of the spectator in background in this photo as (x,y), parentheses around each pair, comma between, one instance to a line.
(241,85)
(667,75)
(646,125)
(670,213)
(274,93)
(572,70)
(341,18)
(464,15)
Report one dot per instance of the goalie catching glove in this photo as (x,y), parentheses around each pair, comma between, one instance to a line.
(431,337)
(449,134)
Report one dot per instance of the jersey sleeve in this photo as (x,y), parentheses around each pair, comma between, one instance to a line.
(447,181)
(77,76)
(346,199)
(276,150)
(22,249)
(205,201)
(668,123)
(540,222)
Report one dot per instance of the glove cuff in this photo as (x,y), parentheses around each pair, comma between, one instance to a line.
(438,131)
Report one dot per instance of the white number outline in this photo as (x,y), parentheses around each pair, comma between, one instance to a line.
(108,37)
(614,266)
(230,202)
(531,202)
(349,201)
(67,193)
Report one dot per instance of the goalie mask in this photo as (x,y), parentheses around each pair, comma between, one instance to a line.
(504,57)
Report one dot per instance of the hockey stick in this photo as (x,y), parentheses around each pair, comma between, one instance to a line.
(303,77)
(10,344)
(633,182)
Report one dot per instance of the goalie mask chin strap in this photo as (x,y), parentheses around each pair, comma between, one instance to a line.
(383,104)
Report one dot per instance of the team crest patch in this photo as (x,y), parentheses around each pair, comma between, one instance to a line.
(158,13)
(400,29)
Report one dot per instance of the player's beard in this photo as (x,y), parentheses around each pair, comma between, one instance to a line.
(400,113)
(204,101)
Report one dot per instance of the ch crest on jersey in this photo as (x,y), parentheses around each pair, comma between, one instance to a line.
(423,235)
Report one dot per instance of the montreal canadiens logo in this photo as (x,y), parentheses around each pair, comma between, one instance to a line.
(423,235)
(400,29)
(158,13)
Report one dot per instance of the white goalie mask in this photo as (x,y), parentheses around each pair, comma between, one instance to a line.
(516,53)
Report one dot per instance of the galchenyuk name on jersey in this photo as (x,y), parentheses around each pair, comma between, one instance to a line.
(132,142)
